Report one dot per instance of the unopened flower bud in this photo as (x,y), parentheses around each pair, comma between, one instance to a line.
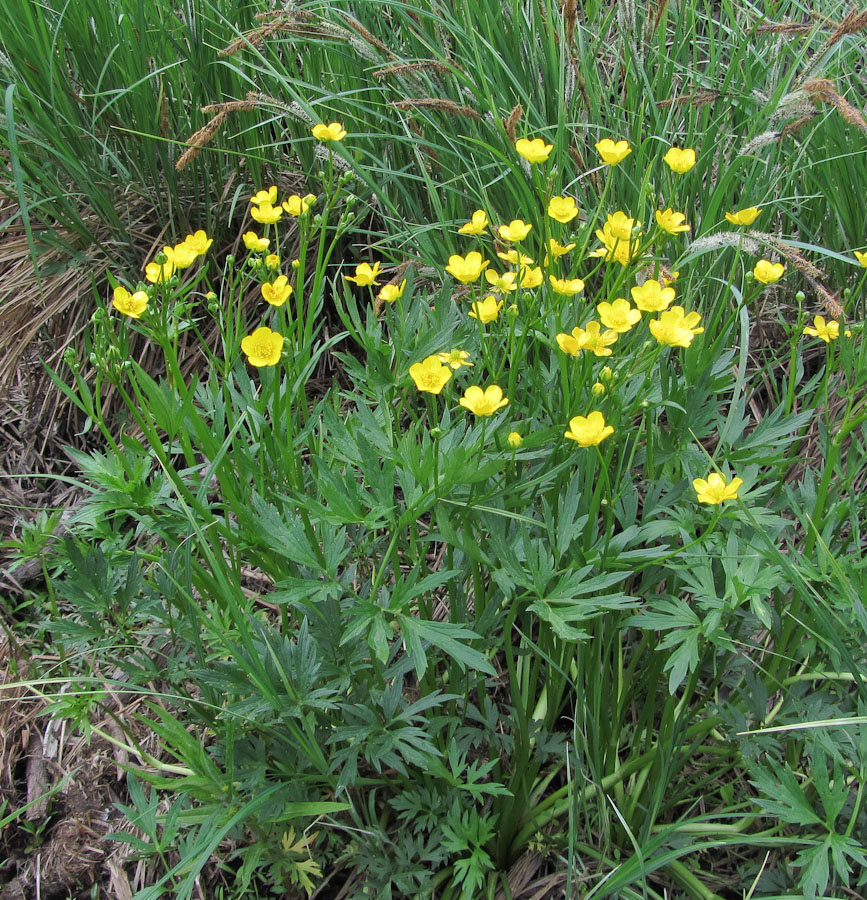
(515,440)
(295,263)
(800,296)
(210,296)
(598,389)
(230,259)
(436,432)
(512,310)
(606,374)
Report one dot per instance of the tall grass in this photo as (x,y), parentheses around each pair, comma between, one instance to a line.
(431,643)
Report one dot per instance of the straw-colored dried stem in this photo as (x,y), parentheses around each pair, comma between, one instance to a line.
(440,103)
(696,99)
(510,123)
(371,39)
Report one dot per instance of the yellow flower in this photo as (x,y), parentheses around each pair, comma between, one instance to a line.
(619,316)
(466,268)
(743,216)
(535,151)
(652,296)
(598,389)
(476,225)
(365,276)
(620,226)
(455,358)
(254,243)
(391,292)
(680,161)
(272,261)
(671,221)
(562,209)
(861,257)
(483,402)
(619,236)
(514,440)
(263,347)
(568,287)
(516,230)
(132,305)
(531,278)
(612,153)
(266,214)
(269,196)
(676,329)
(430,375)
(332,132)
(154,272)
(588,431)
(516,258)
(768,272)
(278,291)
(555,250)
(597,341)
(200,242)
(714,490)
(828,332)
(571,343)
(487,310)
(297,206)
(183,255)
(502,284)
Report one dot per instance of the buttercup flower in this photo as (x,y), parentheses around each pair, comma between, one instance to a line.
(671,221)
(680,161)
(514,440)
(516,230)
(391,292)
(455,358)
(365,276)
(487,310)
(676,329)
(556,249)
(619,316)
(132,305)
(827,331)
(714,489)
(531,278)
(200,242)
(568,287)
(476,225)
(266,214)
(263,347)
(156,272)
(278,291)
(483,402)
(595,340)
(516,258)
(571,343)
(861,257)
(652,296)
(254,243)
(272,261)
(502,284)
(183,255)
(589,431)
(619,236)
(269,196)
(768,272)
(333,132)
(534,151)
(467,268)
(562,209)
(612,153)
(598,389)
(743,216)
(297,206)
(430,375)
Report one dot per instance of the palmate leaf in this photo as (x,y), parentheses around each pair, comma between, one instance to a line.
(448,637)
(791,804)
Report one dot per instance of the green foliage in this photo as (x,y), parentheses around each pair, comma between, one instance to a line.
(419,646)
